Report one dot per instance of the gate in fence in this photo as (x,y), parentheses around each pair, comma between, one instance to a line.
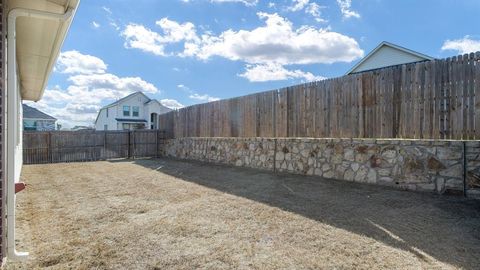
(70,146)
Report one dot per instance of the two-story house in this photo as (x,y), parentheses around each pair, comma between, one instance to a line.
(135,111)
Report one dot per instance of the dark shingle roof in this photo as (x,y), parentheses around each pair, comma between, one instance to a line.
(32,113)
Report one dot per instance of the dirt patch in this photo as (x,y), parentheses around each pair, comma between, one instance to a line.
(165,214)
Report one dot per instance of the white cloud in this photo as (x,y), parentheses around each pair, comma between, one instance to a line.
(185,88)
(69,115)
(298,5)
(111,20)
(196,96)
(314,10)
(248,3)
(79,103)
(95,24)
(106,9)
(139,37)
(90,87)
(345,8)
(271,4)
(171,103)
(175,32)
(277,42)
(462,45)
(204,97)
(276,72)
(310,8)
(114,25)
(112,83)
(56,96)
(75,62)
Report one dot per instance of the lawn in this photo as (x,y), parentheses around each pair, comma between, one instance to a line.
(165,214)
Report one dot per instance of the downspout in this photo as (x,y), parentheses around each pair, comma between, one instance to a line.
(12,97)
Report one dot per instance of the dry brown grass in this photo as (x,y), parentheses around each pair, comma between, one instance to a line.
(161,214)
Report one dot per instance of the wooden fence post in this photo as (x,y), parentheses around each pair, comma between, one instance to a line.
(128,145)
(49,150)
(105,144)
(133,143)
(156,143)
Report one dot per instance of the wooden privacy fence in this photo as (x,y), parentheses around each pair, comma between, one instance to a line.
(70,146)
(437,99)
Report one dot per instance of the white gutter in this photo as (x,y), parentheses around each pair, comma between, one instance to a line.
(12,97)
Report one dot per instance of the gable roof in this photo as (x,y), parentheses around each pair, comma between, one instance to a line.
(32,113)
(125,98)
(404,52)
(159,103)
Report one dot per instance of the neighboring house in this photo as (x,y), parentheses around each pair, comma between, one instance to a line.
(32,34)
(387,54)
(34,119)
(135,111)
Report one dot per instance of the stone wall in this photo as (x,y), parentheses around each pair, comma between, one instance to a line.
(472,154)
(425,165)
(249,152)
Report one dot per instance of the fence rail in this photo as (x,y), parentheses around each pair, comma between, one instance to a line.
(437,99)
(71,146)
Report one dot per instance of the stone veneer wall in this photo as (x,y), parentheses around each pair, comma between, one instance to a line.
(424,165)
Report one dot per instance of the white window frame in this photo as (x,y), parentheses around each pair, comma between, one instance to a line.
(123,110)
(133,111)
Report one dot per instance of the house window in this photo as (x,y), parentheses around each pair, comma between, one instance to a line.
(125,126)
(105,127)
(135,111)
(29,125)
(107,112)
(126,110)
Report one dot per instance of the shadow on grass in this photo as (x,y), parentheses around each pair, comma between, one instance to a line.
(446,228)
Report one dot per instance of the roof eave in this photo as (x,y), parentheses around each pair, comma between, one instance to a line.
(56,51)
(44,119)
(39,74)
(386,43)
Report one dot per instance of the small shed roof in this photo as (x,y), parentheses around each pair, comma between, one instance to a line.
(33,113)
(388,54)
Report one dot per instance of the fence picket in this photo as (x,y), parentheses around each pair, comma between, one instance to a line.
(430,100)
(70,146)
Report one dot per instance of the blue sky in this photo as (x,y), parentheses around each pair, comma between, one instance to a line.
(184,52)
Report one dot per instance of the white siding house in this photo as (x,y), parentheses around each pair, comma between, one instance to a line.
(135,111)
(36,120)
(388,54)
